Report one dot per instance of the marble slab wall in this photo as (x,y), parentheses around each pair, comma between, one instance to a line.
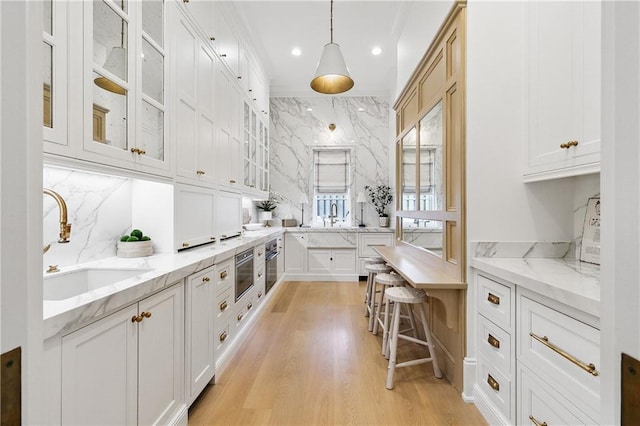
(585,187)
(99,210)
(300,124)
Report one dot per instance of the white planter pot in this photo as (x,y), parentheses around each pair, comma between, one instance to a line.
(383,221)
(135,248)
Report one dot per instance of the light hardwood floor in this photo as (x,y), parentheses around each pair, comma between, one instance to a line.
(311,361)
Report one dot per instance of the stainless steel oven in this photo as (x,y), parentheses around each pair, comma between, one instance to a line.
(271,264)
(244,272)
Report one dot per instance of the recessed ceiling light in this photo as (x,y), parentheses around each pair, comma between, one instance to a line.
(360,109)
(296,51)
(309,109)
(376,51)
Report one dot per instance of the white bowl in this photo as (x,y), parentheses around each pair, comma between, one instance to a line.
(252,226)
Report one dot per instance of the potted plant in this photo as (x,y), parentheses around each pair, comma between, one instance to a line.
(380,196)
(269,205)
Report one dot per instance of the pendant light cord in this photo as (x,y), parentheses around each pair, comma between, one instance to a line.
(331,21)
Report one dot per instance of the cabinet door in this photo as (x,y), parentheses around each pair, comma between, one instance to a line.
(100,371)
(160,357)
(206,130)
(564,88)
(193,216)
(344,261)
(295,253)
(201,12)
(226,43)
(186,54)
(200,330)
(228,214)
(319,261)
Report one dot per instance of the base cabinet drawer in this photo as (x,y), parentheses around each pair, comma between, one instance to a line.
(495,344)
(539,403)
(495,302)
(496,386)
(564,350)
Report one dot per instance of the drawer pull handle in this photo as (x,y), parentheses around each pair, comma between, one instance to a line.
(223,306)
(589,368)
(223,275)
(536,422)
(493,342)
(206,279)
(239,317)
(223,336)
(249,306)
(493,383)
(493,299)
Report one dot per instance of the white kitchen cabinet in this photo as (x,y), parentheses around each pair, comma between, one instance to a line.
(295,254)
(195,130)
(128,367)
(280,258)
(224,307)
(563,98)
(228,214)
(332,261)
(228,148)
(517,375)
(201,12)
(226,44)
(194,216)
(366,242)
(200,327)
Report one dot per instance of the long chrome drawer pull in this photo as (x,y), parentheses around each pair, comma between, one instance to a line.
(494,342)
(493,383)
(589,368)
(535,422)
(493,299)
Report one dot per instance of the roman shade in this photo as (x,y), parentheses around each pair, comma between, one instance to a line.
(331,171)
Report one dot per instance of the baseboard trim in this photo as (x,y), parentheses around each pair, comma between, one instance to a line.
(468,379)
(491,414)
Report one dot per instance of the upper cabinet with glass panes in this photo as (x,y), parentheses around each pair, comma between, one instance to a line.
(125,82)
(104,82)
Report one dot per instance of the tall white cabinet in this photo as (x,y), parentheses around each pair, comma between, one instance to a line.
(563,94)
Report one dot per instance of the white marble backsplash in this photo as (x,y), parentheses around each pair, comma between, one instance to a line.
(585,187)
(99,210)
(300,124)
(520,249)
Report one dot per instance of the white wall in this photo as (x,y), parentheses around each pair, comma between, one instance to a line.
(423,21)
(620,250)
(20,194)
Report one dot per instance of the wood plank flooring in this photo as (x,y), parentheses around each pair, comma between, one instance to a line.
(311,361)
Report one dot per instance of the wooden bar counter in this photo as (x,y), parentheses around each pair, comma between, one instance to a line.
(414,266)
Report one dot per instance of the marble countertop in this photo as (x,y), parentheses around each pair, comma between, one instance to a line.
(568,281)
(63,316)
(339,229)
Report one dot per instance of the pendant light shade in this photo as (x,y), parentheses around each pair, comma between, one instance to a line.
(332,76)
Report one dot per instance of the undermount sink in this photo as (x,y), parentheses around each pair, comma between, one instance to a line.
(64,285)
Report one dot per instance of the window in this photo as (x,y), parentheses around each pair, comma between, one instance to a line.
(332,178)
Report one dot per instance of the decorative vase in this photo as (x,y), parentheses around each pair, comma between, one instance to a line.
(383,221)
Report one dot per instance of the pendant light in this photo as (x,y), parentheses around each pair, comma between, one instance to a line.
(116,64)
(332,75)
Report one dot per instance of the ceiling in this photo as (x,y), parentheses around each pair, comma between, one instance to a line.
(276,27)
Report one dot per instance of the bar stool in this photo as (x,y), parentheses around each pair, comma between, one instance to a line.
(373,270)
(386,280)
(400,296)
(369,261)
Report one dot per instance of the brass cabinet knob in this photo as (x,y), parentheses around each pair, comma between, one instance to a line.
(146,314)
(569,144)
(206,279)
(259,294)
(134,150)
(223,55)
(249,306)
(493,383)
(493,299)
(185,244)
(223,275)
(200,172)
(137,318)
(259,274)
(52,268)
(232,181)
(493,341)
(223,336)
(212,38)
(239,317)
(223,306)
